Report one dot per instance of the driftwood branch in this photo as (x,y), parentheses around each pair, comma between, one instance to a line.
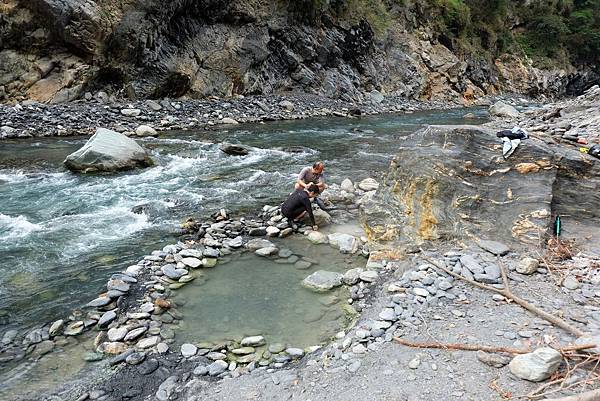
(507,293)
(475,347)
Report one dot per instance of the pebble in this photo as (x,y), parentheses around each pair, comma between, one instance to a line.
(188,350)
(414,363)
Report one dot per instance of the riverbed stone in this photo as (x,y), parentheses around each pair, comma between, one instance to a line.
(109,151)
(235,243)
(135,333)
(188,350)
(368,276)
(494,247)
(149,366)
(209,262)
(295,352)
(131,112)
(347,185)
(135,358)
(173,272)
(470,263)
(266,251)
(117,284)
(101,301)
(43,348)
(570,283)
(74,329)
(273,231)
(368,184)
(145,130)
(191,252)
(352,276)
(257,243)
(117,333)
(210,252)
(322,281)
(527,265)
(317,237)
(243,350)
(148,342)
(217,367)
(301,264)
(346,243)
(491,359)
(56,328)
(112,347)
(192,262)
(107,318)
(537,365)
(253,341)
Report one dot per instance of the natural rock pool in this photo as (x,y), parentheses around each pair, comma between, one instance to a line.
(64,234)
(252,295)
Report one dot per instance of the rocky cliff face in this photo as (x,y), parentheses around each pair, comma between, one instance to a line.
(56,50)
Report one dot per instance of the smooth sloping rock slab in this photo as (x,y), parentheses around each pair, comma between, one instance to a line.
(322,281)
(108,150)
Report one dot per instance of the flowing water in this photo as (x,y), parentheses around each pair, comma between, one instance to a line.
(63,234)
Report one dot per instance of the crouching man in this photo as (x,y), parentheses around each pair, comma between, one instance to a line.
(297,205)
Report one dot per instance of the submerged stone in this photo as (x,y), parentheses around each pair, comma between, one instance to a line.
(322,281)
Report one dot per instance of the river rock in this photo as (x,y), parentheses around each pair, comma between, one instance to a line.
(101,301)
(192,262)
(570,283)
(107,318)
(494,247)
(117,284)
(148,342)
(145,130)
(493,360)
(527,265)
(253,341)
(107,151)
(295,352)
(149,366)
(352,276)
(56,328)
(131,112)
(256,244)
(537,365)
(266,251)
(369,276)
(368,184)
(74,329)
(347,185)
(172,272)
(273,231)
(346,243)
(501,109)
(217,367)
(112,348)
(188,350)
(243,350)
(234,150)
(235,243)
(117,333)
(228,120)
(286,105)
(209,262)
(322,218)
(317,237)
(322,281)
(135,333)
(193,253)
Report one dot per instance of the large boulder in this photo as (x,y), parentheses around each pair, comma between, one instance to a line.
(501,109)
(108,150)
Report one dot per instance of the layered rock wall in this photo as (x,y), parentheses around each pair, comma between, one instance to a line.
(56,50)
